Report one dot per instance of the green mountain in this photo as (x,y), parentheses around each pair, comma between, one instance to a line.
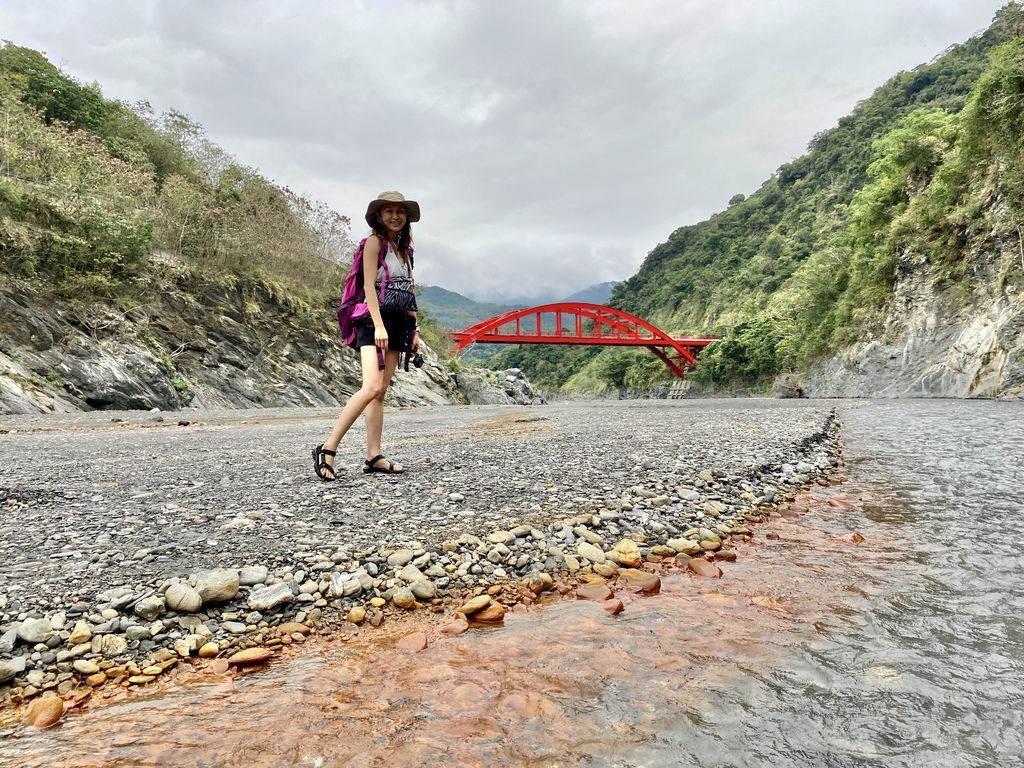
(453,310)
(599,293)
(807,264)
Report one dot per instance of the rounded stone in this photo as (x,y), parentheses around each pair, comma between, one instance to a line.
(35,630)
(356,615)
(627,553)
(593,592)
(80,634)
(614,607)
(492,614)
(250,656)
(86,667)
(288,627)
(414,642)
(404,598)
(45,711)
(640,581)
(702,567)
(589,552)
(475,604)
(208,650)
(182,598)
(217,586)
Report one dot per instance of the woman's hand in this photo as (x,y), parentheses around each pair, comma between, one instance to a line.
(415,342)
(380,338)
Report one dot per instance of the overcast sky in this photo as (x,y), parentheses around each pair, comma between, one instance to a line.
(551,143)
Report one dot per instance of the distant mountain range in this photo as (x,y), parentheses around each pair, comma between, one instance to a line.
(453,310)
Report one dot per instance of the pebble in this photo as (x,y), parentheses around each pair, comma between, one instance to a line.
(594,592)
(44,712)
(626,553)
(35,630)
(404,598)
(217,586)
(639,581)
(267,598)
(291,627)
(150,607)
(413,642)
(492,614)
(250,656)
(588,551)
(181,597)
(474,605)
(702,567)
(456,627)
(208,650)
(400,557)
(86,667)
(614,607)
(356,614)
(252,575)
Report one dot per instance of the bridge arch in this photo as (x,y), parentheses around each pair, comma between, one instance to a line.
(607,326)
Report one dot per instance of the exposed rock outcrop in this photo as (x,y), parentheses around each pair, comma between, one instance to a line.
(937,342)
(484,387)
(188,341)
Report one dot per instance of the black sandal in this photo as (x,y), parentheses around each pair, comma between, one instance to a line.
(371,466)
(320,464)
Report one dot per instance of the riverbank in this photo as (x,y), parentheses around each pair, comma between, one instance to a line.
(130,547)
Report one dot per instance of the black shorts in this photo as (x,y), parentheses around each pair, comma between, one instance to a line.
(398,325)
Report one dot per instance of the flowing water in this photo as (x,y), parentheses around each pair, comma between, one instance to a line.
(814,649)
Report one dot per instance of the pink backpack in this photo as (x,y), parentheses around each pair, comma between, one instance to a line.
(352,307)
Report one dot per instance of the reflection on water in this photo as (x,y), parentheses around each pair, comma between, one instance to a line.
(812,650)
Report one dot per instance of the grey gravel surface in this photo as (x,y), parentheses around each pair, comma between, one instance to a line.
(109,503)
(101,513)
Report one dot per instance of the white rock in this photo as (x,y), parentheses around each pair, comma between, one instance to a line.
(35,630)
(252,575)
(112,645)
(411,573)
(217,586)
(400,558)
(181,597)
(589,552)
(265,598)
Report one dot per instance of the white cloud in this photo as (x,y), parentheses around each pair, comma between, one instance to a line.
(549,142)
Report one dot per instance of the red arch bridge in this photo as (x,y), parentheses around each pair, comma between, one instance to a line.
(583,324)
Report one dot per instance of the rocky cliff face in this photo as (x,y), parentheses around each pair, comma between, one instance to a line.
(966,341)
(187,342)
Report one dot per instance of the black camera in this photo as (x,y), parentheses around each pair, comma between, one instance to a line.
(417,360)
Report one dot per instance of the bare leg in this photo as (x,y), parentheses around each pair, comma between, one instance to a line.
(373,415)
(373,385)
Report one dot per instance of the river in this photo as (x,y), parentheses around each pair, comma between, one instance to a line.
(814,649)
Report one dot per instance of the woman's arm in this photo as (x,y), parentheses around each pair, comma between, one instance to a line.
(371,254)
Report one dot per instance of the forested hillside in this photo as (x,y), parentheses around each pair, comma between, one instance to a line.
(807,264)
(141,265)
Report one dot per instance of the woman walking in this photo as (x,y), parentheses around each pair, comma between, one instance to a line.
(388,329)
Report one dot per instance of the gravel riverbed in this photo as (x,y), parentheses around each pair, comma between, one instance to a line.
(132,541)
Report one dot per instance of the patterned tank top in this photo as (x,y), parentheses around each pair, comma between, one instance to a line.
(399,293)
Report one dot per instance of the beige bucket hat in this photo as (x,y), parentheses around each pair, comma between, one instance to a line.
(412,208)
